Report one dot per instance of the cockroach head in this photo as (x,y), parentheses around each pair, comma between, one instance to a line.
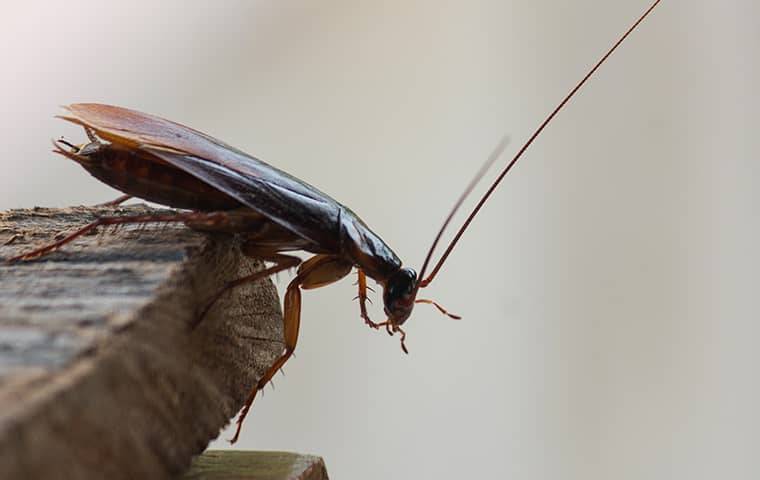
(399,294)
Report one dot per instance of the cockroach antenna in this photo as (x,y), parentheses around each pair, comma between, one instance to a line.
(423,281)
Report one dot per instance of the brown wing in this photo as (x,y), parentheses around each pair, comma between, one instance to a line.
(133,128)
(284,199)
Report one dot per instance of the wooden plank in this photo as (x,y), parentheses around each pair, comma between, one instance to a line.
(246,465)
(100,376)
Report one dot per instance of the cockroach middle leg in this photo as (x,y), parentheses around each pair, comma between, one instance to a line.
(331,268)
(318,271)
(281,262)
(213,218)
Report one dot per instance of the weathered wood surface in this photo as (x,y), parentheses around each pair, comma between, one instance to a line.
(100,376)
(243,465)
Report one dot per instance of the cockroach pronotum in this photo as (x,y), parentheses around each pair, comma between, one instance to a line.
(226,189)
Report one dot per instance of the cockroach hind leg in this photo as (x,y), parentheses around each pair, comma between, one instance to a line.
(105,222)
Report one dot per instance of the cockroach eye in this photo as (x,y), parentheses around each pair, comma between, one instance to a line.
(401,284)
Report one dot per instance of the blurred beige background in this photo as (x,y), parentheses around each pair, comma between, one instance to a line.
(608,289)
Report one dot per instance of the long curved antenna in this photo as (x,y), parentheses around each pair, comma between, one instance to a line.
(495,154)
(426,281)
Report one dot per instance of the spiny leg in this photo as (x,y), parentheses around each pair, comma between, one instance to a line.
(211,219)
(316,272)
(281,262)
(291,319)
(362,283)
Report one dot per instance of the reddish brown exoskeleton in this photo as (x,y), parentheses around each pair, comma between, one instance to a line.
(226,189)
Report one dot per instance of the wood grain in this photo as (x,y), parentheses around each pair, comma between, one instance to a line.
(100,377)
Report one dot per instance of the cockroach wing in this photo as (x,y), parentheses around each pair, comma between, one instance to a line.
(284,199)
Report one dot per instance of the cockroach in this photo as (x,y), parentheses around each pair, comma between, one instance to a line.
(225,189)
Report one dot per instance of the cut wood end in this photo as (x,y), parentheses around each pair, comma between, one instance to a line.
(99,375)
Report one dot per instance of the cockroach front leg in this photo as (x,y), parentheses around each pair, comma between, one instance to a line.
(392,329)
(316,272)
(210,219)
(362,283)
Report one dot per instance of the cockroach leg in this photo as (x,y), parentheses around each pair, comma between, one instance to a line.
(440,308)
(281,262)
(403,338)
(392,328)
(362,282)
(318,271)
(115,202)
(210,218)
(395,329)
(325,269)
